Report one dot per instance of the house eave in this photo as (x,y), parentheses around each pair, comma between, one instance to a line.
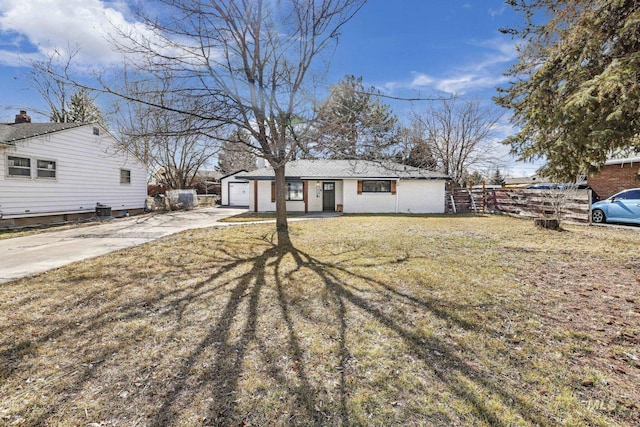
(630,160)
(341,178)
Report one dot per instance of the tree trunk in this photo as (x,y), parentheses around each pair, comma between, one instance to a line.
(281,207)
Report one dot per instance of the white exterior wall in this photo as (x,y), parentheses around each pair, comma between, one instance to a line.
(421,196)
(412,196)
(264,199)
(315,194)
(87,172)
(366,202)
(224,188)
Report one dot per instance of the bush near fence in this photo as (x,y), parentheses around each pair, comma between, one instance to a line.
(574,205)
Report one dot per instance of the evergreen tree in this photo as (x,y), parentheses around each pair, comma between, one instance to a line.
(497,178)
(81,109)
(415,149)
(235,154)
(353,123)
(476,178)
(574,91)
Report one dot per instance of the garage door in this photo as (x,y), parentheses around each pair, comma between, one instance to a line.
(239,193)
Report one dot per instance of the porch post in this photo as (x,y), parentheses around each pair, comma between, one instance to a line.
(305,195)
(255,195)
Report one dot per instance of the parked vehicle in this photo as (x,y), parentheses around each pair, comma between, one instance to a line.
(621,207)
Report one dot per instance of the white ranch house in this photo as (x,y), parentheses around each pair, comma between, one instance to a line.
(60,171)
(349,186)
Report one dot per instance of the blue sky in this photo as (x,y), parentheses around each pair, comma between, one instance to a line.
(404,48)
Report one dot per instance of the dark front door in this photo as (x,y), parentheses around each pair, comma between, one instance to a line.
(329,196)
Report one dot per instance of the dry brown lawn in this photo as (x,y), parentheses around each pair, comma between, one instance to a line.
(364,321)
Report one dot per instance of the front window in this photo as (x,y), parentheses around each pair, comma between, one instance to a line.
(46,168)
(19,166)
(377,186)
(294,191)
(125,176)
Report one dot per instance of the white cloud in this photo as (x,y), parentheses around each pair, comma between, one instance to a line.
(496,12)
(421,80)
(16,59)
(87,28)
(486,72)
(43,27)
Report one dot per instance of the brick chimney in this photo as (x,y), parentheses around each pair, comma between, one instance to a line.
(23,117)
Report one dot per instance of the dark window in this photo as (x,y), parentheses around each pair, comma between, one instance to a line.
(125,176)
(96,131)
(19,166)
(46,168)
(376,186)
(294,191)
(629,195)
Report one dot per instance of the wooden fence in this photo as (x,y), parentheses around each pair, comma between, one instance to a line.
(569,205)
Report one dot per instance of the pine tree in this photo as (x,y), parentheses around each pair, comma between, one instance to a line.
(497,178)
(235,155)
(81,109)
(476,178)
(574,91)
(353,123)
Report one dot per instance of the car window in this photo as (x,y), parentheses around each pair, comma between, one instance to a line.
(629,195)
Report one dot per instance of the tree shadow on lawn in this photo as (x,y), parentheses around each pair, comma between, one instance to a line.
(256,322)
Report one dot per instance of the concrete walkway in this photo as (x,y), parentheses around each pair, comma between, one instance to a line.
(28,255)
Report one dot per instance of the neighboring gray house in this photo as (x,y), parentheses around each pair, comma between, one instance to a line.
(61,171)
(354,186)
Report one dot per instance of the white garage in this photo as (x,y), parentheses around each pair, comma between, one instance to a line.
(235,191)
(239,194)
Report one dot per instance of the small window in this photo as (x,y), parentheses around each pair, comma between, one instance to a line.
(376,186)
(46,168)
(19,166)
(294,191)
(96,131)
(125,176)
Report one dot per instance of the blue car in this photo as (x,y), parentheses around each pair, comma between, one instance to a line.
(621,207)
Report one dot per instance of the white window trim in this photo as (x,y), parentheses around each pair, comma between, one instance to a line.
(47,178)
(121,181)
(8,166)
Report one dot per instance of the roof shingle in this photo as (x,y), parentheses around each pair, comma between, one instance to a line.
(12,132)
(339,169)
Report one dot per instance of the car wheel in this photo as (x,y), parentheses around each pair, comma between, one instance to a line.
(598,216)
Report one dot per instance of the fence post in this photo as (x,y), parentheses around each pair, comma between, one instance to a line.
(484,196)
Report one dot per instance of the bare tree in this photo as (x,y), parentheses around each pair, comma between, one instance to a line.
(247,62)
(165,141)
(457,134)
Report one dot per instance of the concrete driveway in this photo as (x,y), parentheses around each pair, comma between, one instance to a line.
(28,255)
